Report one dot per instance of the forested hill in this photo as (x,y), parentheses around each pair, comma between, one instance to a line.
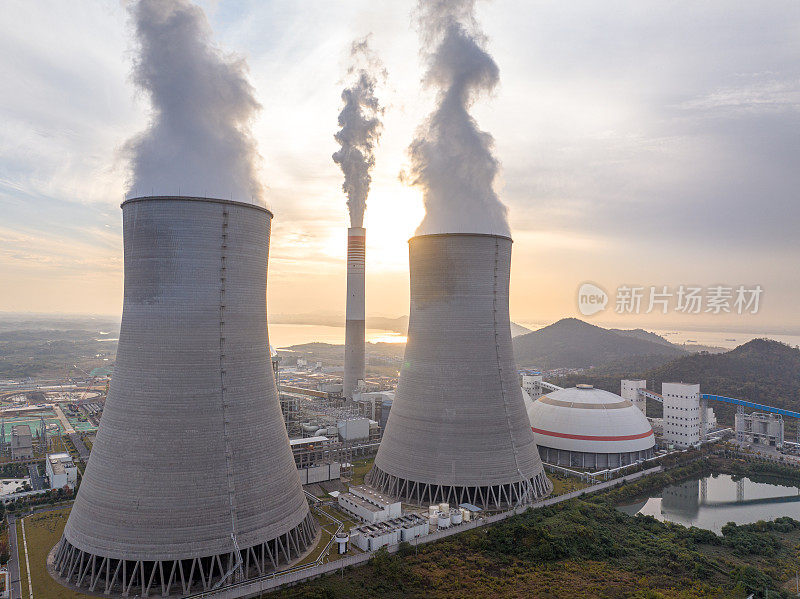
(573,343)
(761,370)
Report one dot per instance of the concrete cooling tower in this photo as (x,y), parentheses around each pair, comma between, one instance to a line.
(458,431)
(191,483)
(354,365)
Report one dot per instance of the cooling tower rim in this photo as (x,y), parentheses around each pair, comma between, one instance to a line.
(495,235)
(196,199)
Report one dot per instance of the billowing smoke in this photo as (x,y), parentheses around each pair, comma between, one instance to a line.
(451,158)
(360,128)
(198,141)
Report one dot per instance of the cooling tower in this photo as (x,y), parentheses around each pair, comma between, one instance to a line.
(191,482)
(354,370)
(458,431)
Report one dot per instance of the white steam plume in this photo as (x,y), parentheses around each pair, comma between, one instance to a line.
(451,158)
(360,128)
(198,141)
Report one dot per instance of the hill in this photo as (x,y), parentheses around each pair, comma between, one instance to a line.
(641,334)
(761,370)
(573,343)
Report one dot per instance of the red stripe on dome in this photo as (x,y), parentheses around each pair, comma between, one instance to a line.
(592,437)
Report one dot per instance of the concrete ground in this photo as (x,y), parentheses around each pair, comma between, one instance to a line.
(13,561)
(37,480)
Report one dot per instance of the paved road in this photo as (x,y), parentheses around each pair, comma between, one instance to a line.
(13,561)
(37,480)
(64,422)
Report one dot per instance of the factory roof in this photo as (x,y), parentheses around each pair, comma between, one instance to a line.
(388,526)
(306,440)
(372,496)
(367,505)
(21,430)
(588,420)
(59,462)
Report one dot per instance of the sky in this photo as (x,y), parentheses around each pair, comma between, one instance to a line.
(640,143)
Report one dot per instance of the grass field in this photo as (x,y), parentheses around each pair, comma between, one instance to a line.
(565,484)
(42,531)
(360,469)
(328,528)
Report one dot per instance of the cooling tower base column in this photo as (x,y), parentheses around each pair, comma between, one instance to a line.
(494,497)
(175,578)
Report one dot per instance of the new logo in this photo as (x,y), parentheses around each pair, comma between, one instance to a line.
(591,299)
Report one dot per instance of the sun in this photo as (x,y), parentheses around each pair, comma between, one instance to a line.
(394,212)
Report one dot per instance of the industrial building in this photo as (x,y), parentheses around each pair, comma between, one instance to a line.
(760,427)
(532,384)
(375,405)
(355,429)
(588,428)
(318,459)
(61,471)
(682,425)
(630,392)
(368,505)
(372,537)
(191,483)
(21,442)
(457,430)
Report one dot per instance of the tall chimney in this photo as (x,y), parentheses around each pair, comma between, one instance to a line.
(354,368)
(458,430)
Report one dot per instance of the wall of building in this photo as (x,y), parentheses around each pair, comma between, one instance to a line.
(532,385)
(630,391)
(681,413)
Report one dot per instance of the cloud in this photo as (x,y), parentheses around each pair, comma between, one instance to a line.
(657,136)
(199,139)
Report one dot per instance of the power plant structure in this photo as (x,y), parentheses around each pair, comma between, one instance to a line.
(458,430)
(191,484)
(587,428)
(354,339)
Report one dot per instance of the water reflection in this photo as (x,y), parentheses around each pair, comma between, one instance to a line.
(713,501)
(682,501)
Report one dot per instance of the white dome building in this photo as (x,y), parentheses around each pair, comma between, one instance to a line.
(584,427)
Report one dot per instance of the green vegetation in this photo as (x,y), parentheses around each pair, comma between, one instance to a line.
(579,549)
(14,470)
(762,371)
(360,469)
(565,484)
(587,548)
(4,551)
(42,532)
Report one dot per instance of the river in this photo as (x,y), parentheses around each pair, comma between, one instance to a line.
(713,501)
